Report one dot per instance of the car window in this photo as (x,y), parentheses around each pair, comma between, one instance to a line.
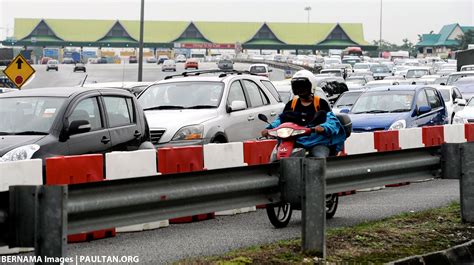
(119,112)
(256,96)
(421,100)
(457,94)
(88,109)
(433,98)
(236,92)
(272,89)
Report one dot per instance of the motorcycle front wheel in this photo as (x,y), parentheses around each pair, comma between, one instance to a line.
(279,214)
(332,201)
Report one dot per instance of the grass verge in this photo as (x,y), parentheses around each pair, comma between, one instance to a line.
(367,243)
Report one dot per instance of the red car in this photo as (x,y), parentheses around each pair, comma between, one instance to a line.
(191,63)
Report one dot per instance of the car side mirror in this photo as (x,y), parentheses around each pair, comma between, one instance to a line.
(237,105)
(423,109)
(270,70)
(79,126)
(443,84)
(460,101)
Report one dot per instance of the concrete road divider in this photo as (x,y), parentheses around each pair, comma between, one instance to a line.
(410,138)
(123,165)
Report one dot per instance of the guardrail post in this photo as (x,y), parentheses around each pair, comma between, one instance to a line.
(38,219)
(291,170)
(451,161)
(314,207)
(467,182)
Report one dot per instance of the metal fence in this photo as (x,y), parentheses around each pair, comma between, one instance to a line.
(42,216)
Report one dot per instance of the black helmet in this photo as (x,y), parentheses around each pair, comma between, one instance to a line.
(301,86)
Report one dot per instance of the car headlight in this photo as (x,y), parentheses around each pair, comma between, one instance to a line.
(192,132)
(459,120)
(21,153)
(400,124)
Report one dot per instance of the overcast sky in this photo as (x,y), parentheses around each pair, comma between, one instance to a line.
(401,18)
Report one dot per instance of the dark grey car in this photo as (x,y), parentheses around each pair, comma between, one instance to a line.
(225,65)
(41,123)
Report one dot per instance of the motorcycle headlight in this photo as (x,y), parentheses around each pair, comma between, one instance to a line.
(297,132)
(192,132)
(400,124)
(284,132)
(459,120)
(21,153)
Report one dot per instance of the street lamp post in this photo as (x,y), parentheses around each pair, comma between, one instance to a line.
(140,44)
(308,9)
(380,36)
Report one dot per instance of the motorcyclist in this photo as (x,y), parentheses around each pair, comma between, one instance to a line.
(309,110)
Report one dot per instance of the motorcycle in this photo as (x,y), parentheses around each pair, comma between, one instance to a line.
(287,134)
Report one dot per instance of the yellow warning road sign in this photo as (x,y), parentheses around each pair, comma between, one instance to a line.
(19,71)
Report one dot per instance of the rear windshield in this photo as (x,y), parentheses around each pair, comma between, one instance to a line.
(258,69)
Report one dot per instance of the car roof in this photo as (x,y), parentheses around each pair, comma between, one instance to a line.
(397,88)
(259,64)
(212,78)
(56,92)
(117,84)
(462,73)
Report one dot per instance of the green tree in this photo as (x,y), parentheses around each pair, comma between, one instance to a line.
(466,39)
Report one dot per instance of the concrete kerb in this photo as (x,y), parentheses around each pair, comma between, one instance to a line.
(461,254)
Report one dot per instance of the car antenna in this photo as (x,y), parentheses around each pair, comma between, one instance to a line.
(84,80)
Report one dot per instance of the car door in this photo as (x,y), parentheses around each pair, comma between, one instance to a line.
(422,100)
(97,140)
(125,132)
(238,124)
(457,95)
(438,109)
(259,104)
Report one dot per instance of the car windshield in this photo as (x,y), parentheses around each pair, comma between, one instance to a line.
(384,101)
(258,69)
(358,81)
(331,61)
(346,100)
(471,103)
(181,95)
(417,73)
(379,69)
(446,95)
(455,78)
(361,66)
(350,61)
(28,115)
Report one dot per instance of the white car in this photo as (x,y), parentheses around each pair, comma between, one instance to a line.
(180,58)
(260,69)
(466,115)
(195,110)
(335,72)
(454,77)
(361,68)
(417,72)
(134,87)
(346,100)
(469,67)
(169,65)
(453,100)
(52,65)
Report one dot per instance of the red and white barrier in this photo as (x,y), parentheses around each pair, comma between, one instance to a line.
(360,143)
(75,170)
(123,165)
(410,138)
(225,156)
(27,172)
(179,160)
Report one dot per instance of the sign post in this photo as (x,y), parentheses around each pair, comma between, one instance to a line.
(19,71)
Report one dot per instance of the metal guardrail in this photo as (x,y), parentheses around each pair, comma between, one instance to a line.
(42,216)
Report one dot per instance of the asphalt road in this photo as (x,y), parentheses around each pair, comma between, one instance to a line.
(227,233)
(115,73)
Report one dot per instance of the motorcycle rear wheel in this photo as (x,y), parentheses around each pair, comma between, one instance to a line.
(279,214)
(332,201)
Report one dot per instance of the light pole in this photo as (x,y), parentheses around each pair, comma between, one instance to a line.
(380,36)
(308,8)
(140,44)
